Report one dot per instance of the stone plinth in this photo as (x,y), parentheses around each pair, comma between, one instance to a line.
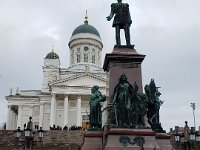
(123,60)
(92,140)
(153,140)
(114,135)
(164,141)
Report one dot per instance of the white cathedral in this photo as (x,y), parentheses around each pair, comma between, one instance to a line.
(65,93)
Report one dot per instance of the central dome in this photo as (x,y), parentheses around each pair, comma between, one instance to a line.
(86,28)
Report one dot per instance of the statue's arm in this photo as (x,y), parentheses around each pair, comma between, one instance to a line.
(129,16)
(115,96)
(111,13)
(100,97)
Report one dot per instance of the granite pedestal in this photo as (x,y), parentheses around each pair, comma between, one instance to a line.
(92,140)
(152,140)
(123,60)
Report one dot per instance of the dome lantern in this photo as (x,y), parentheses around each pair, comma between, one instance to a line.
(86,28)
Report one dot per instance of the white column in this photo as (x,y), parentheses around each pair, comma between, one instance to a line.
(41,114)
(66,117)
(52,114)
(8,124)
(31,110)
(12,120)
(79,116)
(15,120)
(19,119)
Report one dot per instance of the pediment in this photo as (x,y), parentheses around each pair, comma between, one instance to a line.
(81,79)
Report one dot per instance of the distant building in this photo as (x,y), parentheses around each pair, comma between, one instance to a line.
(65,92)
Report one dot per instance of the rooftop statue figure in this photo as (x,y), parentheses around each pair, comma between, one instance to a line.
(122,20)
(95,108)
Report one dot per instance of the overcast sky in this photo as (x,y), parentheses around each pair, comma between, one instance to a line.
(166,31)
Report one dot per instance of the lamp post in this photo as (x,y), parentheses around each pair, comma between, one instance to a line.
(177,135)
(27,138)
(41,133)
(192,134)
(193,109)
(186,138)
(18,133)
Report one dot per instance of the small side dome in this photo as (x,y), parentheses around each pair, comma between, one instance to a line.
(86,28)
(52,55)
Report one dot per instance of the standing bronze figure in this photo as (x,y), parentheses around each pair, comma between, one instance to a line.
(153,105)
(122,99)
(122,20)
(95,108)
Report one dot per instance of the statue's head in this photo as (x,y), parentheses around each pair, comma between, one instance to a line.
(95,88)
(119,1)
(123,77)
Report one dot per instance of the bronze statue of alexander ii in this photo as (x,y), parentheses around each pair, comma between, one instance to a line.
(122,20)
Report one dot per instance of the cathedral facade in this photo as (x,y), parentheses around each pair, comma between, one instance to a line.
(65,92)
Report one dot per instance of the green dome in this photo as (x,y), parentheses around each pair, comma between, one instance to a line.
(52,55)
(86,28)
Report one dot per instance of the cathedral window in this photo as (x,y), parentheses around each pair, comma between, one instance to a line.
(85,57)
(72,58)
(78,49)
(93,58)
(99,58)
(78,58)
(86,48)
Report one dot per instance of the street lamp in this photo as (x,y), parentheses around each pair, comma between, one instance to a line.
(197,137)
(41,133)
(177,136)
(27,132)
(192,134)
(27,138)
(187,139)
(193,108)
(18,133)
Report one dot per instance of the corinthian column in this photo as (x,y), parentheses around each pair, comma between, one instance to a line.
(8,124)
(79,117)
(52,114)
(66,118)
(19,119)
(41,114)
(31,110)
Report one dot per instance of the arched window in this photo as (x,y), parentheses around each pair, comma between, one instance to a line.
(78,58)
(93,58)
(72,56)
(86,57)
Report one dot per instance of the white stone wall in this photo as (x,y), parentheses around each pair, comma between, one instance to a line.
(50,74)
